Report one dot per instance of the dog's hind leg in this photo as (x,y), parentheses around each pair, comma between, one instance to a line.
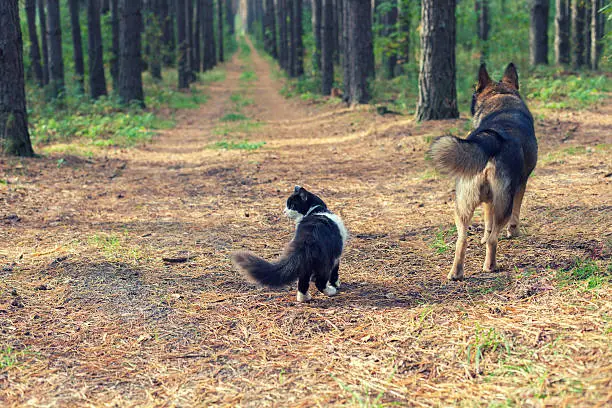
(502,208)
(463,216)
(513,230)
(488,221)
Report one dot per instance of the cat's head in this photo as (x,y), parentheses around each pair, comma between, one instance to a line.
(300,202)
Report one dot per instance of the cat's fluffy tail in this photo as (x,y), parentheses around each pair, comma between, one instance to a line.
(275,274)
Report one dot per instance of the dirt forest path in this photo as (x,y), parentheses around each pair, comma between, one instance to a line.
(91,315)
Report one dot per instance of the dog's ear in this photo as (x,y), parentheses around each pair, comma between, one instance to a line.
(511,76)
(483,78)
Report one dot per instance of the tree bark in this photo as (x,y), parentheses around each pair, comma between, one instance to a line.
(30,7)
(587,32)
(197,35)
(220,29)
(114,60)
(327,46)
(270,30)
(405,14)
(14,136)
(167,23)
(229,16)
(42,19)
(155,38)
(562,32)
(56,56)
(359,53)
(316,32)
(183,60)
(210,55)
(97,80)
(283,49)
(104,6)
(437,82)
(130,59)
(297,32)
(291,40)
(338,33)
(482,10)
(538,33)
(77,43)
(189,39)
(598,21)
(578,20)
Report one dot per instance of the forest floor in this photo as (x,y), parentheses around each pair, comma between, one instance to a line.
(91,314)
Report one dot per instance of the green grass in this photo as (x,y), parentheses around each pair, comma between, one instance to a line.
(216,74)
(233,117)
(10,358)
(439,242)
(585,272)
(570,91)
(241,127)
(485,341)
(241,101)
(248,76)
(244,145)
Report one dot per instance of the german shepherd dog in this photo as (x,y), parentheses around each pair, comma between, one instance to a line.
(491,165)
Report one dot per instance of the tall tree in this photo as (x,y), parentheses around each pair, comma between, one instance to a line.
(562,32)
(298,46)
(578,20)
(154,38)
(538,32)
(389,14)
(338,33)
(167,22)
(197,35)
(97,80)
(104,6)
(114,60)
(56,56)
(130,59)
(283,42)
(291,51)
(229,16)
(359,52)
(437,81)
(587,32)
(14,136)
(42,19)
(327,46)
(77,43)
(316,32)
(208,37)
(189,12)
(220,29)
(183,60)
(482,10)
(598,21)
(30,7)
(270,30)
(405,16)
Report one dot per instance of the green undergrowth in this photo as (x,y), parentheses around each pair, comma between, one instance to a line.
(585,273)
(240,145)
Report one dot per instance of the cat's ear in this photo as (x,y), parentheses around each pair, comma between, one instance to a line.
(303,194)
(297,189)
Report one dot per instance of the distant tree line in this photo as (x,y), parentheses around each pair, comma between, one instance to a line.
(146,34)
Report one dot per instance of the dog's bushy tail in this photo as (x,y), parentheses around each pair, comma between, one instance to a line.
(272,274)
(460,156)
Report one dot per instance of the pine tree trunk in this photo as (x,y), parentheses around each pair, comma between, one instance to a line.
(30,7)
(389,23)
(155,38)
(210,57)
(297,30)
(114,60)
(167,26)
(338,33)
(220,29)
(291,43)
(316,32)
(403,54)
(189,39)
(538,33)
(346,50)
(229,16)
(77,43)
(42,19)
(271,29)
(327,46)
(359,53)
(587,33)
(578,20)
(97,80)
(598,21)
(437,82)
(130,59)
(104,6)
(14,136)
(183,60)
(283,49)
(482,11)
(56,56)
(562,32)
(197,35)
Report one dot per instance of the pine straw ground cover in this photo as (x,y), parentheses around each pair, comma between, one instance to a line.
(91,315)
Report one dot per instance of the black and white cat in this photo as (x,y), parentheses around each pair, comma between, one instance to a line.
(313,253)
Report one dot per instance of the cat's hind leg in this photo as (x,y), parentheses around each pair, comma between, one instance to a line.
(303,284)
(334,279)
